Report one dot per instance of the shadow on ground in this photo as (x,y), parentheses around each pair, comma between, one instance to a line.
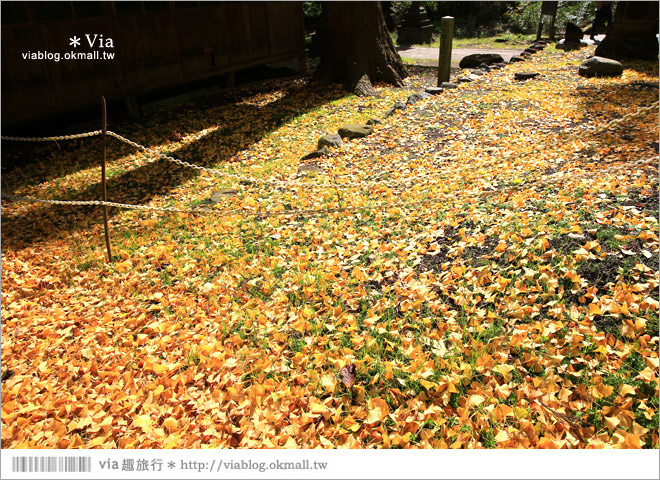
(241,124)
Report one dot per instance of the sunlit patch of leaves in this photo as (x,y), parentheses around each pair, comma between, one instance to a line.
(522,315)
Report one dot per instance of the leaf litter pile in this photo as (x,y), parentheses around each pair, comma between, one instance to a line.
(498,286)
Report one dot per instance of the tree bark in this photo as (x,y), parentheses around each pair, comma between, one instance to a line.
(358,49)
(632,33)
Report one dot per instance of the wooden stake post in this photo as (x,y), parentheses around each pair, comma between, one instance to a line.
(446,38)
(547,8)
(103,184)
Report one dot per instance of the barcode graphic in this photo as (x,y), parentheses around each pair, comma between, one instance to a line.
(51,464)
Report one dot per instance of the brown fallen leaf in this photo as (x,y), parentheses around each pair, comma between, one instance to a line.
(348,374)
(565,417)
(175,136)
(574,424)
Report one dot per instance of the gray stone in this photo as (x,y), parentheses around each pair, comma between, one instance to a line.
(309,169)
(531,51)
(573,33)
(220,195)
(355,130)
(397,106)
(332,140)
(600,67)
(473,76)
(465,79)
(416,97)
(373,121)
(448,85)
(474,60)
(568,46)
(516,58)
(433,90)
(322,152)
(525,75)
(477,71)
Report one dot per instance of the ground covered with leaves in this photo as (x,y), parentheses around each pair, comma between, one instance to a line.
(488,264)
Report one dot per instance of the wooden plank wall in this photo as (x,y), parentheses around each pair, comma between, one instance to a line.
(156,44)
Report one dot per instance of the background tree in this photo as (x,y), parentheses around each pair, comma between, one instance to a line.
(386,7)
(358,48)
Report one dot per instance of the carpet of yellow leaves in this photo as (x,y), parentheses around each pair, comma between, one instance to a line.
(517,308)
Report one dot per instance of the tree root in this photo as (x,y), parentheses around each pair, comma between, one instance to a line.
(364,88)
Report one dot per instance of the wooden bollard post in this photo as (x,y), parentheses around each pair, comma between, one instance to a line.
(103,183)
(446,38)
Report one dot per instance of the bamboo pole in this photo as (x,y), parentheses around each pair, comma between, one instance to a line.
(103,183)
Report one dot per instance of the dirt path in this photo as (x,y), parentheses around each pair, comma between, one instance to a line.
(430,54)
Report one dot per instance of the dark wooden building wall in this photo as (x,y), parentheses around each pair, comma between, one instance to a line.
(156,44)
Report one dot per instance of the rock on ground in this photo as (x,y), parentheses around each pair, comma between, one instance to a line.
(525,75)
(601,67)
(332,140)
(322,152)
(217,197)
(433,90)
(567,46)
(309,168)
(476,59)
(416,97)
(573,33)
(355,130)
(399,105)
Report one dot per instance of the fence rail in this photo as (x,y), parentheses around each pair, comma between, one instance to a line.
(333,184)
(53,139)
(525,185)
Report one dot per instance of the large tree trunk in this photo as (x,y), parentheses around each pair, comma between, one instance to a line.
(358,48)
(632,33)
